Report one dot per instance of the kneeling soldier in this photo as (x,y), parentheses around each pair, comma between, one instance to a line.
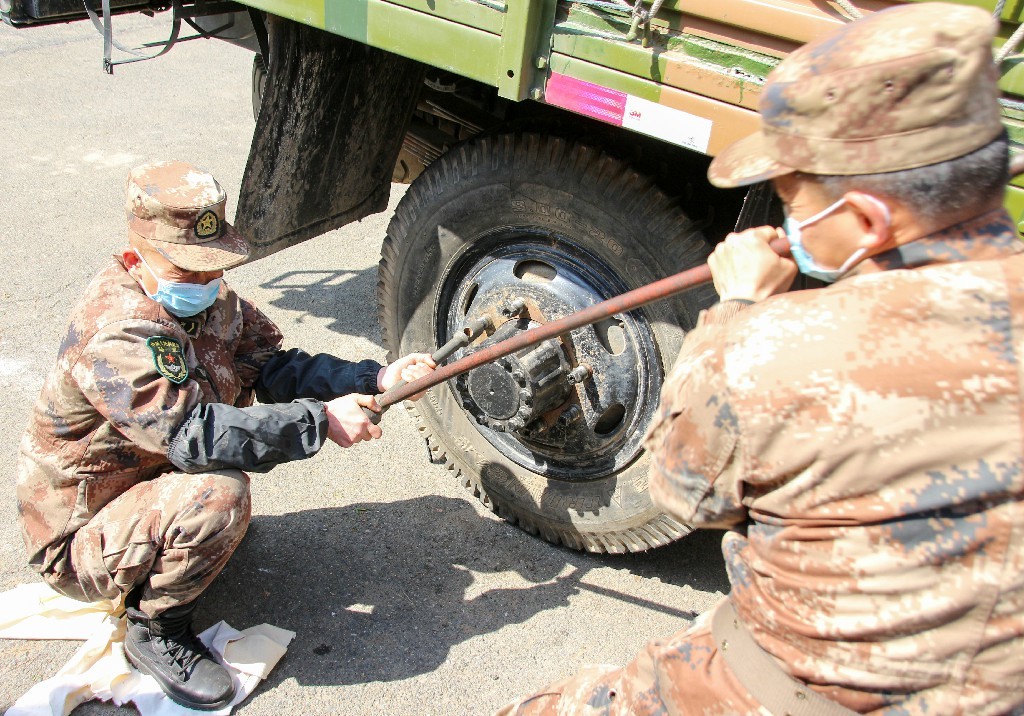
(132,472)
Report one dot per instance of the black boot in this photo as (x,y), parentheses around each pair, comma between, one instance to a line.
(165,648)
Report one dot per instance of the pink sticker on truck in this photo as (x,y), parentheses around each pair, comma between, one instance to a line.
(629,111)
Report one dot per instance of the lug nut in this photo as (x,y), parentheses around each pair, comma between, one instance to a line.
(571,414)
(579,374)
(514,308)
(477,326)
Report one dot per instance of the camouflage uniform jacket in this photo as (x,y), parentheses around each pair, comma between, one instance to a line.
(864,442)
(106,415)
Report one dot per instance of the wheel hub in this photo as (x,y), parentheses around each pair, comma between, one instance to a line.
(493,391)
(575,406)
(512,392)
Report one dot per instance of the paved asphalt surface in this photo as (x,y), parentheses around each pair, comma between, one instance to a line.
(406,596)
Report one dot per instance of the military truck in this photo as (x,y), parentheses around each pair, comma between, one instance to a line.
(556,152)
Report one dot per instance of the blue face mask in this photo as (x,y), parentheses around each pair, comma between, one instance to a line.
(804,261)
(182,299)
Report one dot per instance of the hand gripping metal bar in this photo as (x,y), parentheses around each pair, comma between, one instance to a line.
(463,338)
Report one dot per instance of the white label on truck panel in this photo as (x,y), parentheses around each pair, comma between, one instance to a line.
(672,125)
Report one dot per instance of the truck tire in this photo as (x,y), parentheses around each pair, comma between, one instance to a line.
(560,225)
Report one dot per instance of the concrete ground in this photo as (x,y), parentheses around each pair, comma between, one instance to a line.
(406,595)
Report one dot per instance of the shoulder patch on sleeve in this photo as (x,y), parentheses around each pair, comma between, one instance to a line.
(169,358)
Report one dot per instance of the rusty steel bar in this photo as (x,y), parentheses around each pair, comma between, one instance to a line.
(592,314)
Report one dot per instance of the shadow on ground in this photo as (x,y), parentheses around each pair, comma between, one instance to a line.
(378,591)
(348,298)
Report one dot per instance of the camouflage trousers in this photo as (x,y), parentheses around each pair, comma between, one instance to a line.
(170,536)
(683,674)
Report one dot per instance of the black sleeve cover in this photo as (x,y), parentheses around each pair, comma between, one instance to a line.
(295,374)
(255,439)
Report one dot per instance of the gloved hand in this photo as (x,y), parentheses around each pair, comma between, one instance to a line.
(347,421)
(407,368)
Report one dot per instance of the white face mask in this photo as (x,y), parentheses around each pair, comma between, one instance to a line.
(804,261)
(182,299)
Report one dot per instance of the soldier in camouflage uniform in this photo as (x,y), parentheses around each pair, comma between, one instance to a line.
(863,441)
(132,472)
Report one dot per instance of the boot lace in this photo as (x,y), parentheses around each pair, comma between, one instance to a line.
(185,653)
(176,640)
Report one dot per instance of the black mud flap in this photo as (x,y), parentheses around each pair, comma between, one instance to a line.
(329,131)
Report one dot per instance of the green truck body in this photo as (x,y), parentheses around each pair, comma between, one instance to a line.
(556,153)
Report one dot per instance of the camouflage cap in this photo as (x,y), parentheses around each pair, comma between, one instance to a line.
(905,87)
(179,211)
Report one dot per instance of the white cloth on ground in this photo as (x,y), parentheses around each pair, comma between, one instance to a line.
(99,669)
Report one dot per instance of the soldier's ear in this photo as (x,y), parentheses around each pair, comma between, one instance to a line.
(129,258)
(132,263)
(875,220)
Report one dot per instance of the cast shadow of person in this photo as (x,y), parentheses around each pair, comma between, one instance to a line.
(383,591)
(346,297)
(378,591)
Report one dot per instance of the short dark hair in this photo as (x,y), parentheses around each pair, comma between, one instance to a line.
(956,187)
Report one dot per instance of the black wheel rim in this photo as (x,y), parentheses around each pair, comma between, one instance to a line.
(555,273)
